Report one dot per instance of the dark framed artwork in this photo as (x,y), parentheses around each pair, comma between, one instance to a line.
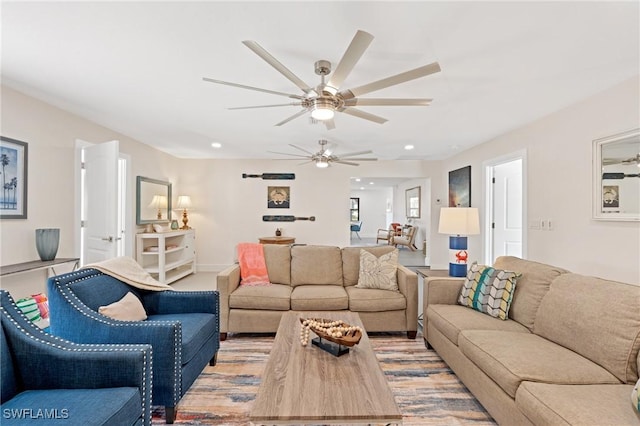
(460,187)
(14,157)
(278,197)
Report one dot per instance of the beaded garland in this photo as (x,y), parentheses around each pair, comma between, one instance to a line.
(335,329)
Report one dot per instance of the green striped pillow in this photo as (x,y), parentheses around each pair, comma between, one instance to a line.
(635,396)
(488,290)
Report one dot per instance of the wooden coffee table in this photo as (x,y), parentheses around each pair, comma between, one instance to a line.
(305,384)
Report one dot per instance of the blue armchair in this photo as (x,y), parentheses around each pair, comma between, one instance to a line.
(182,327)
(55,381)
(356,227)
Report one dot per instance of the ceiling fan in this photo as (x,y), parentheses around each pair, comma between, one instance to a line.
(324,157)
(623,161)
(325,99)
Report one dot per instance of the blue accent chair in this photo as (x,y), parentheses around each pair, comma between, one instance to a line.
(182,327)
(356,227)
(46,379)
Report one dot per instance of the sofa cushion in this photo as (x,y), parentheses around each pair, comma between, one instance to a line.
(532,286)
(351,261)
(129,308)
(105,406)
(319,298)
(378,272)
(593,311)
(450,320)
(273,298)
(488,290)
(197,328)
(585,405)
(510,358)
(316,265)
(278,259)
(374,300)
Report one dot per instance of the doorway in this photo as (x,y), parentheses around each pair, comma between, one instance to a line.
(505,207)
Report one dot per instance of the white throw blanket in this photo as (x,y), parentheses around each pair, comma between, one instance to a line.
(129,271)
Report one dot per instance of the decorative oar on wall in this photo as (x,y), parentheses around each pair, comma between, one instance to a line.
(271,176)
(619,175)
(284,218)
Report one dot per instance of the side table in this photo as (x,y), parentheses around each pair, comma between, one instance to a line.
(426,273)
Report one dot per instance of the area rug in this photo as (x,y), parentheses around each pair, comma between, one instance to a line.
(426,390)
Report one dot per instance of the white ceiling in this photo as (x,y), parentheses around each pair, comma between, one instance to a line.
(137,68)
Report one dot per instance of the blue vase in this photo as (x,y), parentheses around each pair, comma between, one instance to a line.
(47,243)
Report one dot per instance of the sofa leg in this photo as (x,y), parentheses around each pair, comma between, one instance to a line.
(427,344)
(170,414)
(411,334)
(214,360)
(223,337)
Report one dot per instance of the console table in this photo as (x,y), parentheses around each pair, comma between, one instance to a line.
(34,265)
(277,240)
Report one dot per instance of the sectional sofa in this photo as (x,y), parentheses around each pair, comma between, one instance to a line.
(316,278)
(568,354)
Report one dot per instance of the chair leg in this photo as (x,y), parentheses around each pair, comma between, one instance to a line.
(358,235)
(411,334)
(214,360)
(170,414)
(223,337)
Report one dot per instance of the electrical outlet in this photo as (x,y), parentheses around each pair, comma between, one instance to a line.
(551,224)
(544,225)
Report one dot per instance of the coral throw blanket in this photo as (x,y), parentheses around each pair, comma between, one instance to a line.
(253,268)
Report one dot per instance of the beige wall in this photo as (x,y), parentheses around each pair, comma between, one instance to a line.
(228,209)
(559,178)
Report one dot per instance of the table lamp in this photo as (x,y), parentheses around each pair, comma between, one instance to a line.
(458,222)
(158,202)
(184,203)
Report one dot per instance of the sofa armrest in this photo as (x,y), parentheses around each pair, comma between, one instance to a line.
(439,291)
(181,302)
(408,286)
(227,280)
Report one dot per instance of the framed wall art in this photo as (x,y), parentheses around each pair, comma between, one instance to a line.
(14,157)
(278,197)
(460,187)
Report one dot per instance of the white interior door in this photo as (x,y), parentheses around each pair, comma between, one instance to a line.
(507,209)
(100,234)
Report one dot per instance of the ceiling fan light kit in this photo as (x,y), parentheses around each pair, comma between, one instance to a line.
(325,99)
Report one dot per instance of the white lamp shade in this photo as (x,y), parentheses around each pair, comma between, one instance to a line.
(184,202)
(459,221)
(158,202)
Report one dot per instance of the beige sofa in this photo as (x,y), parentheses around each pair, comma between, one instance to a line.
(567,355)
(315,278)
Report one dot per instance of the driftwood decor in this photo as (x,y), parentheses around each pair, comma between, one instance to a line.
(284,218)
(271,176)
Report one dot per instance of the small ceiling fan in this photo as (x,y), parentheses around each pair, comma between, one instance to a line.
(324,157)
(623,161)
(325,99)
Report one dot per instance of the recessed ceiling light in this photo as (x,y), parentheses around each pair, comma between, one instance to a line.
(216,145)
(370,183)
(357,179)
(409,147)
(362,187)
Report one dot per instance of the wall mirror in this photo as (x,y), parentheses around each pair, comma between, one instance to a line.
(616,177)
(412,199)
(153,201)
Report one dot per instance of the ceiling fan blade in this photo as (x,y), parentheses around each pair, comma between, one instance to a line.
(242,86)
(345,162)
(392,81)
(302,149)
(351,56)
(359,159)
(259,50)
(388,102)
(329,124)
(285,153)
(293,117)
(349,154)
(267,106)
(367,116)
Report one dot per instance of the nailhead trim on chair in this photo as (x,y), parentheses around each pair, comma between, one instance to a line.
(74,301)
(92,348)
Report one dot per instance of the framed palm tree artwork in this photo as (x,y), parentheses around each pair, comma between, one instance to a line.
(13,178)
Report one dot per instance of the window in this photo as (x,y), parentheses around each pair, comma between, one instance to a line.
(355,209)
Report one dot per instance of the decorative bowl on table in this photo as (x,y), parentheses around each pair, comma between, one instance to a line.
(336,331)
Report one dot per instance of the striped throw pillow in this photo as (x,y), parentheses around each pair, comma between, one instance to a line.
(488,290)
(635,396)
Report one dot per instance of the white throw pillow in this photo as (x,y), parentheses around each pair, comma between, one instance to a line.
(378,272)
(129,308)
